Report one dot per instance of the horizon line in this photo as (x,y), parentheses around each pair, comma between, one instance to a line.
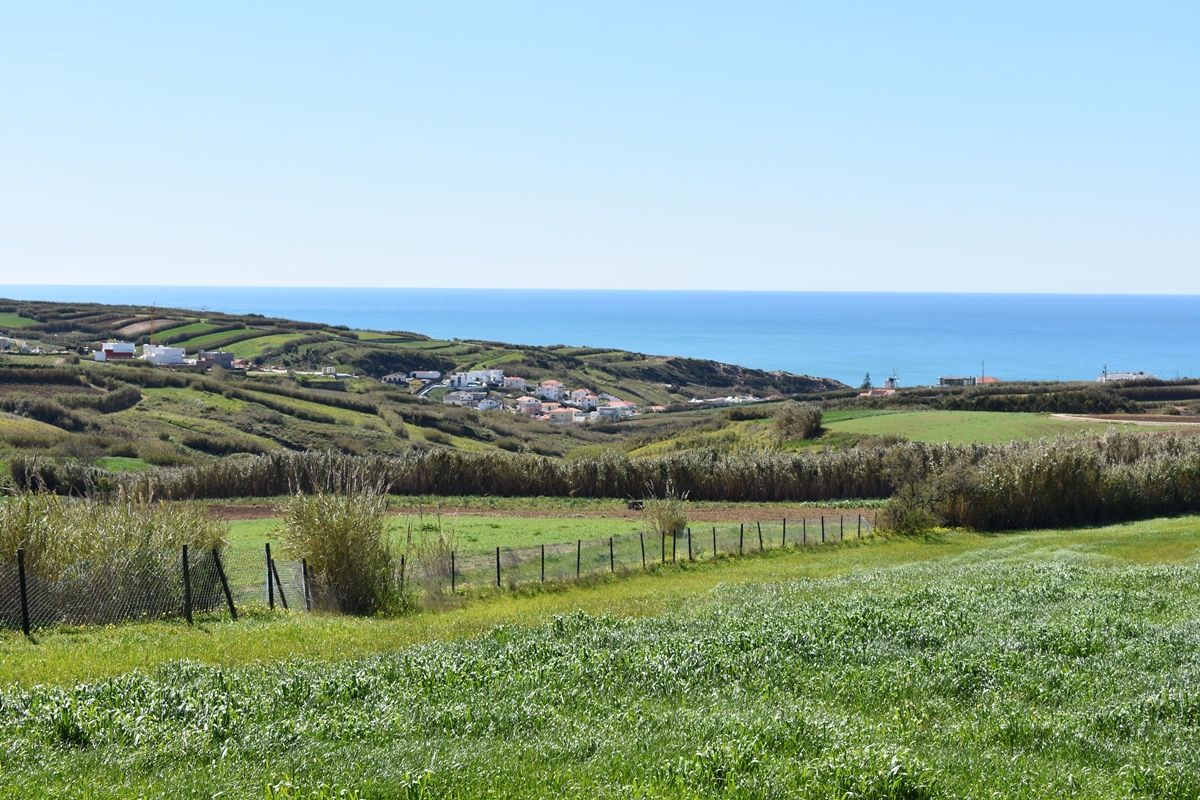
(1000,293)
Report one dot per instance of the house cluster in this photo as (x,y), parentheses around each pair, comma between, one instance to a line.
(967,380)
(1112,377)
(887,390)
(163,355)
(730,400)
(549,400)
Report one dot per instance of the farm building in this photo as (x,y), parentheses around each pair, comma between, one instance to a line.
(114,351)
(215,358)
(162,355)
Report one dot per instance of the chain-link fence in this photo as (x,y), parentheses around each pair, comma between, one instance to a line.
(510,567)
(147,585)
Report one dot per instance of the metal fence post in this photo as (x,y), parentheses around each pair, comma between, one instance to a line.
(804,531)
(543,563)
(760,541)
(783,542)
(24,591)
(497,567)
(714,541)
(689,535)
(674,544)
(453,587)
(612,559)
(822,529)
(270,586)
(403,560)
(304,581)
(642,541)
(860,526)
(187,587)
(279,585)
(741,537)
(841,528)
(578,556)
(224,584)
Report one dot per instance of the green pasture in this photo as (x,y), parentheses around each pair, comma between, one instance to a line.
(957,427)
(251,348)
(206,340)
(11,321)
(1030,665)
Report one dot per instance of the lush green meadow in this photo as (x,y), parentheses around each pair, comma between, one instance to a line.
(956,427)
(1026,665)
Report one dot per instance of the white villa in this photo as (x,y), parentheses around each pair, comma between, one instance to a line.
(550,390)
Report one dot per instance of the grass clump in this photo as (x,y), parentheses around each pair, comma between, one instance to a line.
(344,538)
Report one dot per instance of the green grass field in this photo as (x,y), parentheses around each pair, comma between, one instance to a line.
(11,321)
(1042,664)
(956,427)
(251,348)
(207,339)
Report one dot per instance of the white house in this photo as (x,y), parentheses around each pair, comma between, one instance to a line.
(162,355)
(465,399)
(515,382)
(530,406)
(617,409)
(395,377)
(550,390)
(490,404)
(583,399)
(113,351)
(425,375)
(564,415)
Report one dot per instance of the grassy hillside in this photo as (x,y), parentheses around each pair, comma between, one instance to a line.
(1043,664)
(956,427)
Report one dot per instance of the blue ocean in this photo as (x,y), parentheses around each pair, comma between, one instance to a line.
(916,337)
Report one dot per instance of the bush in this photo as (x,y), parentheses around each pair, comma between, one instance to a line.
(798,421)
(907,512)
(667,514)
(344,537)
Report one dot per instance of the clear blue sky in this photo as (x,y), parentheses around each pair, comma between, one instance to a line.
(952,146)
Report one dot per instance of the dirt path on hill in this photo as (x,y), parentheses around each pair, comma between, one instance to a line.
(232,513)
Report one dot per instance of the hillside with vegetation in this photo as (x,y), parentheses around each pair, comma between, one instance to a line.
(55,400)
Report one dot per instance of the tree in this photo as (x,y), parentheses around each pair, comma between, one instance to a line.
(866,384)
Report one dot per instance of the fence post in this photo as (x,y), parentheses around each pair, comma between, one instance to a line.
(224,584)
(741,537)
(307,601)
(714,541)
(497,567)
(760,541)
(453,584)
(804,531)
(187,587)
(689,534)
(674,544)
(841,527)
(859,526)
(822,529)
(270,586)
(543,563)
(279,585)
(24,591)
(578,556)
(783,542)
(642,540)
(612,559)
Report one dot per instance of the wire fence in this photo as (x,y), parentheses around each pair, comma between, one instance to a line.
(144,585)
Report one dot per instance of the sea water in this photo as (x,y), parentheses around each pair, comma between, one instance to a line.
(917,337)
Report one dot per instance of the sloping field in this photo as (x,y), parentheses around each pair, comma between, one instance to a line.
(1046,664)
(223,337)
(251,348)
(11,321)
(146,326)
(961,427)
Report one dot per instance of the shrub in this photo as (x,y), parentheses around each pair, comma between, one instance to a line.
(344,537)
(798,421)
(667,514)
